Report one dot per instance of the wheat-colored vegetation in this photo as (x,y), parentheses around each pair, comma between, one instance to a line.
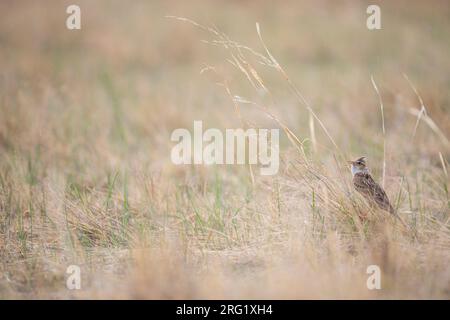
(85,170)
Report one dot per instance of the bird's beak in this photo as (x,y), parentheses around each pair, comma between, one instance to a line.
(350,162)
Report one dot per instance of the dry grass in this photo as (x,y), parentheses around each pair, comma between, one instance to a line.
(85,171)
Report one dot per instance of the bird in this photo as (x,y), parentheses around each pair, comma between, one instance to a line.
(366,185)
(372,191)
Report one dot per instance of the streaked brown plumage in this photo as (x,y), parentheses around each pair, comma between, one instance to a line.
(366,185)
(372,191)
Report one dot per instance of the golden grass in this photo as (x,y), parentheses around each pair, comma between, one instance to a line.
(85,171)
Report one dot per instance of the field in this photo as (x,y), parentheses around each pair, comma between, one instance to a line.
(86,176)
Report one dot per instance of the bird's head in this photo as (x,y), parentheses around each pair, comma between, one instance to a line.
(359,165)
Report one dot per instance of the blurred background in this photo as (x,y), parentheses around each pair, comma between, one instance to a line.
(133,74)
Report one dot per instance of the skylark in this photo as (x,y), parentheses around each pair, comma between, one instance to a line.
(366,185)
(372,191)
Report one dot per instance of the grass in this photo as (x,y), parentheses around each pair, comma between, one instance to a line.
(85,171)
